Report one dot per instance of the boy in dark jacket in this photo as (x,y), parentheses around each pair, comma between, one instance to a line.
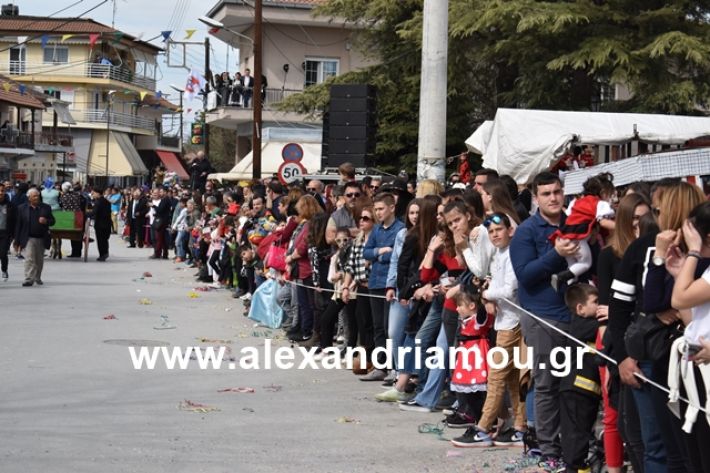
(580,390)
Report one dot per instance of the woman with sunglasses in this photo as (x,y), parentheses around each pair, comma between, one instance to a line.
(357,273)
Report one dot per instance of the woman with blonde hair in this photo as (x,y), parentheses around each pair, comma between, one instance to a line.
(429,187)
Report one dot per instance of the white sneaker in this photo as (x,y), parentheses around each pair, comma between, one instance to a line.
(216,285)
(246,297)
(5,276)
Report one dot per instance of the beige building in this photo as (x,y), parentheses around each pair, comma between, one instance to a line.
(298,50)
(105,83)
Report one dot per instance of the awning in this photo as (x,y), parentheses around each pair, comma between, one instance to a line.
(645,167)
(123,159)
(63,113)
(522,143)
(82,149)
(172,163)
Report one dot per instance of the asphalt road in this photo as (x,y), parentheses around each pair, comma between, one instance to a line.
(71,402)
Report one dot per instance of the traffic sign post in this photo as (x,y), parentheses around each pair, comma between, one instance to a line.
(292,152)
(290,171)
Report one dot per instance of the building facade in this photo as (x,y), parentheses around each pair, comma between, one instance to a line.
(103,83)
(298,50)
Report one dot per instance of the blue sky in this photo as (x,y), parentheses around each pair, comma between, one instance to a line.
(147,18)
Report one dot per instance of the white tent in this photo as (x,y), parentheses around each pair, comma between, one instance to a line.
(272,144)
(522,143)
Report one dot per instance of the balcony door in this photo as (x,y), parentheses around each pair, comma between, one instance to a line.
(18,59)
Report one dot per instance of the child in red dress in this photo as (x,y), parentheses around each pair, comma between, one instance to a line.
(469,379)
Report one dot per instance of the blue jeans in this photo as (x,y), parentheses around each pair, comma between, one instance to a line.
(429,396)
(654,450)
(182,236)
(530,407)
(397,320)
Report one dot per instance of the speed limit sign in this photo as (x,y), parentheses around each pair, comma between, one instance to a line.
(290,171)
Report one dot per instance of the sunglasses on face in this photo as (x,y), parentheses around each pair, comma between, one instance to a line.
(374,188)
(497,219)
(353,195)
(312,189)
(365,218)
(341,240)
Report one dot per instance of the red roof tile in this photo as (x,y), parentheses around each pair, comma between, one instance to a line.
(39,25)
(13,95)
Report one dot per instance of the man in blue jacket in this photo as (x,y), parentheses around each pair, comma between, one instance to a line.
(378,250)
(535,260)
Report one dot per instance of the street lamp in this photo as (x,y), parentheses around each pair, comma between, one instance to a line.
(220,26)
(256,93)
(181,92)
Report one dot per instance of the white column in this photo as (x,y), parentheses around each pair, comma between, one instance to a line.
(431,153)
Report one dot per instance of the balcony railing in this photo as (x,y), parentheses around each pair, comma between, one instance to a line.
(116,118)
(12,138)
(54,139)
(273,97)
(92,70)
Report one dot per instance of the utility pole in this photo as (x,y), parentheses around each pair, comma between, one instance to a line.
(108,131)
(181,122)
(431,154)
(256,96)
(208,78)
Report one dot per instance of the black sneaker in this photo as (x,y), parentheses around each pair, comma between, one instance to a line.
(509,438)
(473,438)
(459,421)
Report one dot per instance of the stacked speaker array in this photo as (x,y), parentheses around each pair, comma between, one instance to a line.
(349,125)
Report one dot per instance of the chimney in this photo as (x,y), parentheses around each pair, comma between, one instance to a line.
(10,10)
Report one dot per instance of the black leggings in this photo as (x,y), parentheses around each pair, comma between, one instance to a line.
(471,403)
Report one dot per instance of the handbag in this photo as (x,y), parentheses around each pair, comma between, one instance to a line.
(157,223)
(276,258)
(647,338)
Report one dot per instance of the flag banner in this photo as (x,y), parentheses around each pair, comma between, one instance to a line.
(93,37)
(143,94)
(66,37)
(189,33)
(166,35)
(45,39)
(195,82)
(22,89)
(6,86)
(21,39)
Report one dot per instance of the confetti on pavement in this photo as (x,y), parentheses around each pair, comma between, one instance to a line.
(192,406)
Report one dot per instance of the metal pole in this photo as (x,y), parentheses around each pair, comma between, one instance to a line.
(431,154)
(256,96)
(181,125)
(208,78)
(108,133)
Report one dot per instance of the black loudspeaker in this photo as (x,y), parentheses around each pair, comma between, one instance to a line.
(350,125)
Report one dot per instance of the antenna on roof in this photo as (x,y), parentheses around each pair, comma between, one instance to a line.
(113,17)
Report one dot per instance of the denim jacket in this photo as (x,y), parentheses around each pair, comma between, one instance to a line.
(380,237)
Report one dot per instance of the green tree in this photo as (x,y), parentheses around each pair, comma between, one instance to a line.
(391,37)
(563,54)
(560,55)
